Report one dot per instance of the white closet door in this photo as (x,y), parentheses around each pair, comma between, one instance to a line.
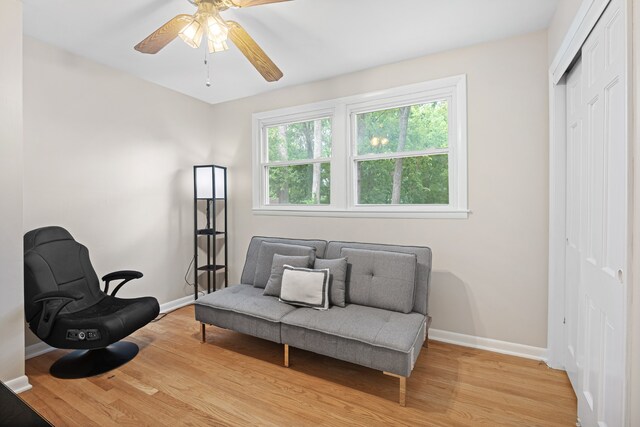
(574,210)
(597,234)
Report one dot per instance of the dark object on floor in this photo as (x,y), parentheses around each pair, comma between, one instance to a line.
(65,307)
(15,412)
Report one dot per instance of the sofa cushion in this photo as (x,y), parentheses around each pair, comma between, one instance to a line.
(243,308)
(251,259)
(381,279)
(423,266)
(245,299)
(265,259)
(374,326)
(337,277)
(305,287)
(277,268)
(379,339)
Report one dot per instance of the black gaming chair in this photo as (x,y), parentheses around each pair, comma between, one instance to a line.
(65,307)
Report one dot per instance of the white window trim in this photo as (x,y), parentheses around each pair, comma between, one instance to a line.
(342,113)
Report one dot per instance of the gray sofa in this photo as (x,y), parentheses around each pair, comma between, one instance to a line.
(383,325)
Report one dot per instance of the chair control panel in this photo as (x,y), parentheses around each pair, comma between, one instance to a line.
(83,334)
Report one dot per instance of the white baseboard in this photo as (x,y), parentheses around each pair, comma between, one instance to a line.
(497,346)
(176,304)
(41,348)
(37,349)
(18,385)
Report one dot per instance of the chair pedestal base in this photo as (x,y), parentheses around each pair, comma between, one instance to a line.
(88,363)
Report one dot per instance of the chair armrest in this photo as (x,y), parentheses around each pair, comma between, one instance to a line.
(124,275)
(50,310)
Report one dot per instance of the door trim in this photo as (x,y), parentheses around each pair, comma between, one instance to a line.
(584,21)
(556,338)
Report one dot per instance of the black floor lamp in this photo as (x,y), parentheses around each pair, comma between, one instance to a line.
(210,187)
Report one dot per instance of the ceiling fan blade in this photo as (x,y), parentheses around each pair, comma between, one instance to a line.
(253,52)
(249,3)
(163,35)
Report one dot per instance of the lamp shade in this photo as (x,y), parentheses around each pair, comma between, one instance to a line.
(204,182)
(192,33)
(217,33)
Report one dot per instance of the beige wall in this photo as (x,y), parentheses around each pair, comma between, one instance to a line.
(11,289)
(490,271)
(565,13)
(110,157)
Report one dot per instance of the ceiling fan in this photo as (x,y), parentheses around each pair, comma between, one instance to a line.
(207,22)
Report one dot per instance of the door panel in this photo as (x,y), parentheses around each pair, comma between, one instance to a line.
(574,207)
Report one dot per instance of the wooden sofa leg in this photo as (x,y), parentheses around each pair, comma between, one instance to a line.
(203,333)
(403,388)
(403,391)
(286,355)
(425,344)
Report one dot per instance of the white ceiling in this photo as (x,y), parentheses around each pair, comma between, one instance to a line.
(308,39)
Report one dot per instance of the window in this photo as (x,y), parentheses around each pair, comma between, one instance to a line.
(402,155)
(400,152)
(298,166)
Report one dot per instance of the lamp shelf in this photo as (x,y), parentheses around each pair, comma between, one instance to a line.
(210,267)
(210,199)
(209,232)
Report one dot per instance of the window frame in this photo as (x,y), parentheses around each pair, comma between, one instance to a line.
(265,164)
(343,162)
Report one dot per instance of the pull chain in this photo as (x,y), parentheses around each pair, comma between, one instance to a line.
(206,64)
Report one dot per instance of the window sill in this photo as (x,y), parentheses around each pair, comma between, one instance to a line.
(440,214)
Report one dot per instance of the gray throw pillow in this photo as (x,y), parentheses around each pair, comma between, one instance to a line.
(277,268)
(265,259)
(381,279)
(305,287)
(338,276)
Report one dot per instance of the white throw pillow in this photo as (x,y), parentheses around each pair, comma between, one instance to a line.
(305,287)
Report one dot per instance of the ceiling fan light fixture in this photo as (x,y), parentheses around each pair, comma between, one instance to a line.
(215,46)
(217,27)
(217,33)
(206,21)
(192,33)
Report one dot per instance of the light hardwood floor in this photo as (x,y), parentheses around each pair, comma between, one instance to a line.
(235,379)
